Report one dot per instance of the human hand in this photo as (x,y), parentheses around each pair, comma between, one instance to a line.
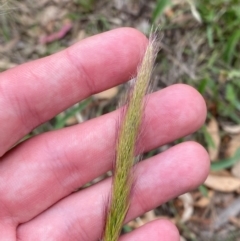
(38,177)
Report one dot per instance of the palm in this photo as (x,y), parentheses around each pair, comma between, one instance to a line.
(38,177)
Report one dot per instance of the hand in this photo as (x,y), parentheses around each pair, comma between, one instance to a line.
(38,176)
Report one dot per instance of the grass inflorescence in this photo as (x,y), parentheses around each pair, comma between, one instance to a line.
(125,150)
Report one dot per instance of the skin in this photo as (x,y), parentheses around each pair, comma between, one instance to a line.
(38,176)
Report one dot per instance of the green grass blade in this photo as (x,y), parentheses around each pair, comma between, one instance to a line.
(231,96)
(207,137)
(61,121)
(230,48)
(159,8)
(226,163)
(210,36)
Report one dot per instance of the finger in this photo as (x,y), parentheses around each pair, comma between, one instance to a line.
(35,92)
(158,230)
(159,179)
(69,158)
(7,231)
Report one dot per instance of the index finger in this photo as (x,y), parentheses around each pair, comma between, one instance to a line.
(35,92)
